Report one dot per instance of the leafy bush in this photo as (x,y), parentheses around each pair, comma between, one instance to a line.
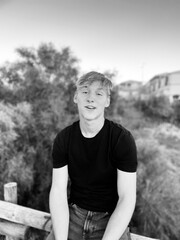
(176,107)
(14,120)
(157,213)
(156,107)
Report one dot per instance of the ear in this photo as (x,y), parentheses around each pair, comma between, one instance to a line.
(75,97)
(107,102)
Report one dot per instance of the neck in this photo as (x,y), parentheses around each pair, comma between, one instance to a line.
(89,128)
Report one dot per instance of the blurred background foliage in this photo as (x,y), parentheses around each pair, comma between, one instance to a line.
(36,102)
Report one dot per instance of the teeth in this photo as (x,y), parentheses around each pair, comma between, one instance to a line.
(90,107)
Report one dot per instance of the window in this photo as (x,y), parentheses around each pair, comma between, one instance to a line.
(176,97)
(159,82)
(166,80)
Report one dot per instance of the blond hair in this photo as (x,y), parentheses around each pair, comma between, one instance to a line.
(93,76)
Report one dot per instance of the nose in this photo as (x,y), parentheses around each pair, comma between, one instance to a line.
(90,98)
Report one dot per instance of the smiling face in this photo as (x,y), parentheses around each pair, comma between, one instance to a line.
(91,100)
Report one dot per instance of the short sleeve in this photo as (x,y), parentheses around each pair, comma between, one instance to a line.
(59,150)
(125,153)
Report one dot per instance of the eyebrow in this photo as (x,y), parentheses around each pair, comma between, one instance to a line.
(101,88)
(84,86)
(98,89)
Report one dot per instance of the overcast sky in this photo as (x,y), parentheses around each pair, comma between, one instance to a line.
(136,38)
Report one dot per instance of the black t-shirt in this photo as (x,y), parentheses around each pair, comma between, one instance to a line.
(93,163)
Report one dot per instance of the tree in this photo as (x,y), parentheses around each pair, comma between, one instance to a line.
(15,157)
(44,79)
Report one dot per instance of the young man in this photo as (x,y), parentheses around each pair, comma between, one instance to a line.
(100,158)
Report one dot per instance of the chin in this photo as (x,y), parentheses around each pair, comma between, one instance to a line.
(91,118)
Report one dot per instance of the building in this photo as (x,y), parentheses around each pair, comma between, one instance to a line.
(130,89)
(167,84)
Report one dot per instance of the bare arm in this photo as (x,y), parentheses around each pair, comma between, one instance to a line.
(122,214)
(59,204)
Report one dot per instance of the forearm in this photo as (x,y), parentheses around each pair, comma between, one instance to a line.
(119,219)
(60,215)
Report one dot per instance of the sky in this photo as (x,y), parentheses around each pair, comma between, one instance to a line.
(137,39)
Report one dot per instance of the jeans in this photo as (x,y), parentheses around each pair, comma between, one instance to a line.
(87,225)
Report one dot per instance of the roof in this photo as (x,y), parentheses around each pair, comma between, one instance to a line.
(131,81)
(164,74)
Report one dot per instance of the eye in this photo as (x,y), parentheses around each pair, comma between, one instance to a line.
(99,93)
(84,90)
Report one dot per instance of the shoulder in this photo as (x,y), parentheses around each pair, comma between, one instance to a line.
(117,130)
(67,130)
(123,148)
(120,136)
(65,133)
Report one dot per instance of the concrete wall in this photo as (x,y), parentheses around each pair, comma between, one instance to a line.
(165,84)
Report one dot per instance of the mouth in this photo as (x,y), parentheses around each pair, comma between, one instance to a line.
(89,107)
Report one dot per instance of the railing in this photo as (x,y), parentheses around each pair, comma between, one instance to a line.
(16,221)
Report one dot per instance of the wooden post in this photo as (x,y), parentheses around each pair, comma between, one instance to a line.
(138,237)
(10,195)
(10,192)
(11,229)
(25,216)
(15,219)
